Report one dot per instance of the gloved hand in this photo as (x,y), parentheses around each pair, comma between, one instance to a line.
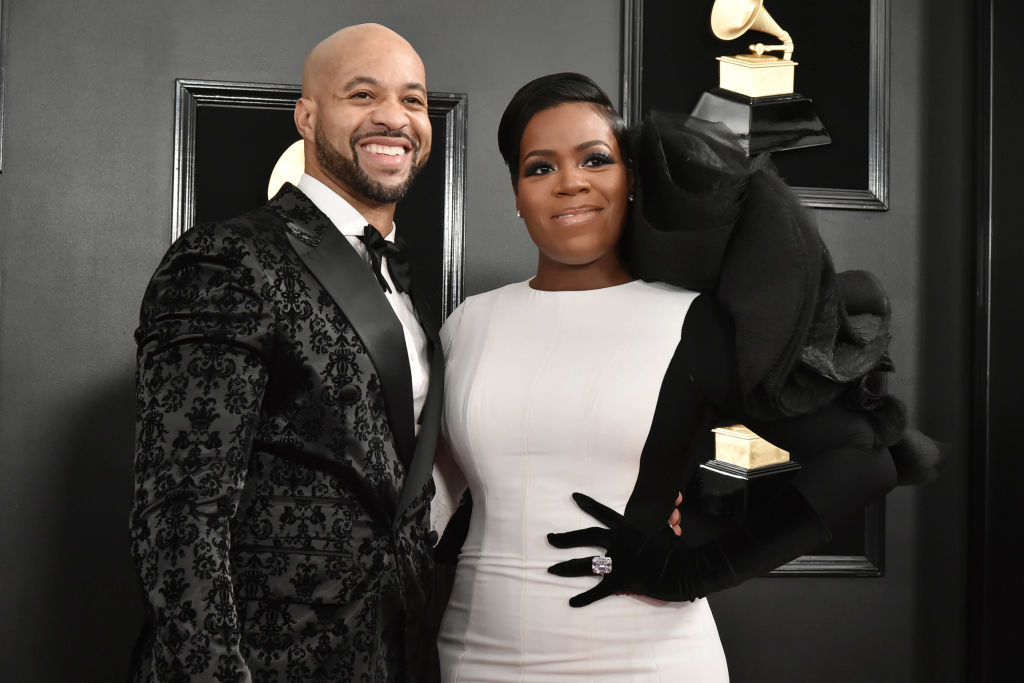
(448,547)
(653,562)
(656,563)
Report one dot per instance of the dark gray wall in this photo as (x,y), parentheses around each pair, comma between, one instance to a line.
(909,625)
(85,205)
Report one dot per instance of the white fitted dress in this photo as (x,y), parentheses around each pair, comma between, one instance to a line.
(547,393)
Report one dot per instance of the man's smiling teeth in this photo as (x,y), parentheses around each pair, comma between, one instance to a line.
(382,149)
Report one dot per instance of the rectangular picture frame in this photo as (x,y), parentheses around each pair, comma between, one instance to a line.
(3,74)
(859,549)
(225,105)
(870,195)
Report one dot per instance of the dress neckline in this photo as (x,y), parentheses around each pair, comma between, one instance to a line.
(610,288)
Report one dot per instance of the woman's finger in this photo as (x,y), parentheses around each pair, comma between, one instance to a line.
(594,536)
(601,590)
(598,511)
(676,518)
(581,566)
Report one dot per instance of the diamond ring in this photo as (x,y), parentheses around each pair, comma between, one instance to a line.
(601,565)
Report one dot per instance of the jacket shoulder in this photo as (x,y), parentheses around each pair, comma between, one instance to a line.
(259,226)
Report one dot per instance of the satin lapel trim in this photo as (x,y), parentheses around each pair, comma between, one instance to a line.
(350,283)
(430,423)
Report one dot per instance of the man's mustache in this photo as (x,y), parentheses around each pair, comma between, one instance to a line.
(385,133)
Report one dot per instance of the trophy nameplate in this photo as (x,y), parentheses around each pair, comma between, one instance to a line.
(755,96)
(745,470)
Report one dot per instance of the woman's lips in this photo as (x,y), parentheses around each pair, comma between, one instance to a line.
(576,215)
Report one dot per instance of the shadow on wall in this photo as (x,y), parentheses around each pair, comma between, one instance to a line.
(94,607)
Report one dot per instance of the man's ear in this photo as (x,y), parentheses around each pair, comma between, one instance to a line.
(305,118)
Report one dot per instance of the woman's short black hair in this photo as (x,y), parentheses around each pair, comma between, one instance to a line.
(544,93)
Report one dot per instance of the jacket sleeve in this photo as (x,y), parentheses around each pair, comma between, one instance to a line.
(203,342)
(842,467)
(842,470)
(450,485)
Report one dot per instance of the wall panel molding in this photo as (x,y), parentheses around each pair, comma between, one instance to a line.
(450,108)
(875,197)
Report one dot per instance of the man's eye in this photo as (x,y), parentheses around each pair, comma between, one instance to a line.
(360,96)
(415,101)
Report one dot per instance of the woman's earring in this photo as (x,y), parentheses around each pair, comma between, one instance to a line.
(518,215)
(629,196)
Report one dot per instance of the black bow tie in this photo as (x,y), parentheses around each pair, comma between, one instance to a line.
(398,265)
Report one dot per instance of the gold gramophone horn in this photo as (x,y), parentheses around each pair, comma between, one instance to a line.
(730,19)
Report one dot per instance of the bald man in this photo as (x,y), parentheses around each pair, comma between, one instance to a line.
(288,406)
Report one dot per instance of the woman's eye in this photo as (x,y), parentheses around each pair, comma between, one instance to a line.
(597,159)
(538,168)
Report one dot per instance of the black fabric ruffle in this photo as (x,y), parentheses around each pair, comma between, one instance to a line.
(691,183)
(708,218)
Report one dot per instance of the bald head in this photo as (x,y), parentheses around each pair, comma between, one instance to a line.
(364,117)
(333,51)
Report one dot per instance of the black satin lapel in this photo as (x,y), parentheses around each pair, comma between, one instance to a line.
(430,423)
(425,314)
(352,286)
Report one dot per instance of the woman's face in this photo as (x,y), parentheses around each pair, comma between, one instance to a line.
(572,186)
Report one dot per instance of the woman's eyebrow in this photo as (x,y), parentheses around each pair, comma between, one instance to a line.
(580,147)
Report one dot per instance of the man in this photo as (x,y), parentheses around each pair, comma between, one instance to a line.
(285,429)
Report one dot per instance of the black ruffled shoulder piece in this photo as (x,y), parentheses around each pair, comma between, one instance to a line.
(709,219)
(691,182)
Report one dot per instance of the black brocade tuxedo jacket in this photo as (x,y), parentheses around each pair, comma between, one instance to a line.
(280,520)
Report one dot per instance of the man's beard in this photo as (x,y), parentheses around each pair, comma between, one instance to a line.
(350,174)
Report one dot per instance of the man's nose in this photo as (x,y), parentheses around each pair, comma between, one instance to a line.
(390,114)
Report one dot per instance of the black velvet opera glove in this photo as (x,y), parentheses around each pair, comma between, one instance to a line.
(448,547)
(657,563)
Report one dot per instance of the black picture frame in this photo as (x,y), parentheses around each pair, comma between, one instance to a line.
(860,130)
(3,74)
(228,135)
(857,549)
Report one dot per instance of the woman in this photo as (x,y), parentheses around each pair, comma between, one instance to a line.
(551,388)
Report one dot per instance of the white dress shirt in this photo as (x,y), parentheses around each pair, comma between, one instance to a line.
(351,223)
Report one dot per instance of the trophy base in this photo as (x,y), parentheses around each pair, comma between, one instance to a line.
(764,124)
(728,491)
(740,447)
(756,75)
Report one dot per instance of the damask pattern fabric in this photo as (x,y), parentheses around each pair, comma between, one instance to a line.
(266,526)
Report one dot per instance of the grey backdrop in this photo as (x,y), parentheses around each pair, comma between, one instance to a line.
(85,205)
